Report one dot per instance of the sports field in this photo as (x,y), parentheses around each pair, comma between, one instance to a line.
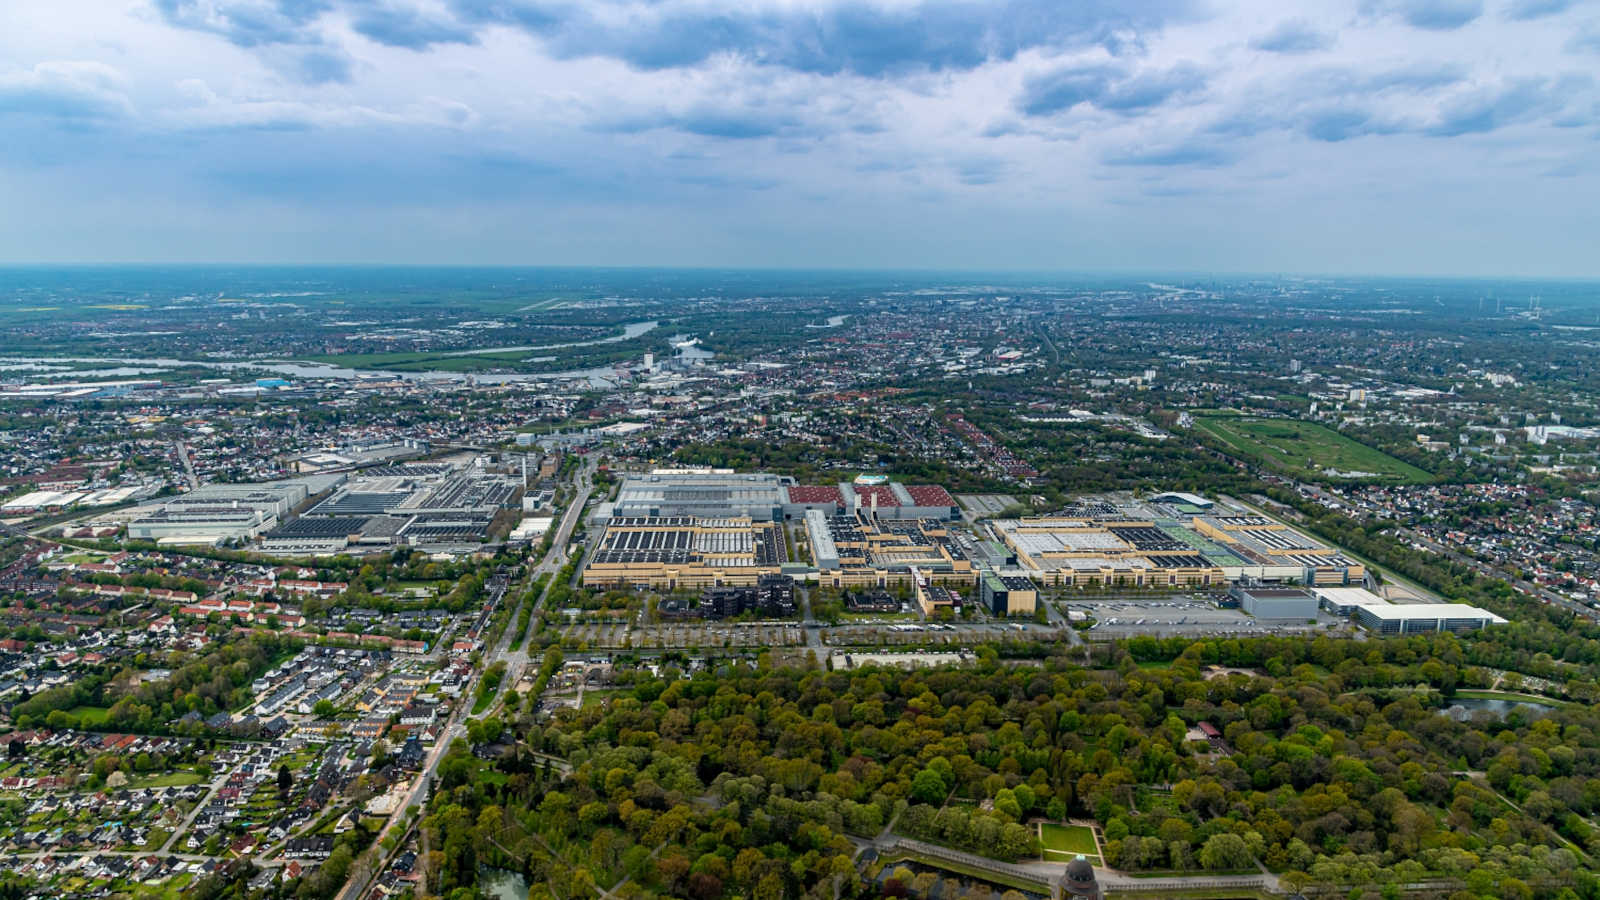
(1307,449)
(1063,842)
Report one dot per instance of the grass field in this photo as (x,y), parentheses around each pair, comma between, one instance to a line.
(1063,842)
(166,779)
(595,698)
(1514,696)
(89,715)
(1307,449)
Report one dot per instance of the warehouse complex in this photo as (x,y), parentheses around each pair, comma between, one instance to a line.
(716,493)
(1275,603)
(435,507)
(862,551)
(683,552)
(1384,617)
(223,512)
(695,528)
(1169,541)
(726,534)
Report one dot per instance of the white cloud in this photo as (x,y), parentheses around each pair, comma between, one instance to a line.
(798,108)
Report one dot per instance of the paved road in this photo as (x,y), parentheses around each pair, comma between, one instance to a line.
(1454,555)
(516,661)
(188,464)
(1488,571)
(415,795)
(810,626)
(186,857)
(216,785)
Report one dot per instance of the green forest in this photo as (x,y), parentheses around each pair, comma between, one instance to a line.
(1337,770)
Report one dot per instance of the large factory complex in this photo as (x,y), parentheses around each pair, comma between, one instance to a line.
(708,530)
(1169,541)
(695,528)
(704,529)
(435,507)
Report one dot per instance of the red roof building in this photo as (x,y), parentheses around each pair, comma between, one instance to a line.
(815,494)
(929,495)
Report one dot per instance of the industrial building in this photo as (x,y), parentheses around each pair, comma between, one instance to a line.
(1167,542)
(199,525)
(437,507)
(685,552)
(214,513)
(1008,595)
(1415,618)
(862,551)
(693,528)
(933,598)
(874,497)
(764,496)
(1275,603)
(1117,551)
(697,493)
(1383,617)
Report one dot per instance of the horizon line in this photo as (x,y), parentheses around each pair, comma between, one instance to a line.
(905,269)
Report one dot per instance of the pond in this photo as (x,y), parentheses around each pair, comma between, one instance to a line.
(1462,708)
(502,884)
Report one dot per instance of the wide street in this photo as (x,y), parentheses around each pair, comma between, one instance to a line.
(516,661)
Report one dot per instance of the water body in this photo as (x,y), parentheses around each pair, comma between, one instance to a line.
(629,332)
(1462,708)
(29,366)
(685,348)
(502,884)
(833,322)
(112,372)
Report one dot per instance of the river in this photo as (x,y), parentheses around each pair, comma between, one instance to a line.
(597,377)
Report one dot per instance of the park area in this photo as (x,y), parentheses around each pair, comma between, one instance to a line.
(1061,843)
(1308,449)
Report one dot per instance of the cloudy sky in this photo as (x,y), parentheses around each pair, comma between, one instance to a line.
(1381,136)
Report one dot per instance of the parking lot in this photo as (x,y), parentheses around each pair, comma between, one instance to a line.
(1184,615)
(684,634)
(959,633)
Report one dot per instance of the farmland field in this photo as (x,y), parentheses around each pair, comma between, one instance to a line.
(1307,449)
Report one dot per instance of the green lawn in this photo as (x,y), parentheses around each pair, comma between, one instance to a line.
(168,779)
(89,715)
(595,698)
(1515,696)
(1306,449)
(1063,842)
(483,702)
